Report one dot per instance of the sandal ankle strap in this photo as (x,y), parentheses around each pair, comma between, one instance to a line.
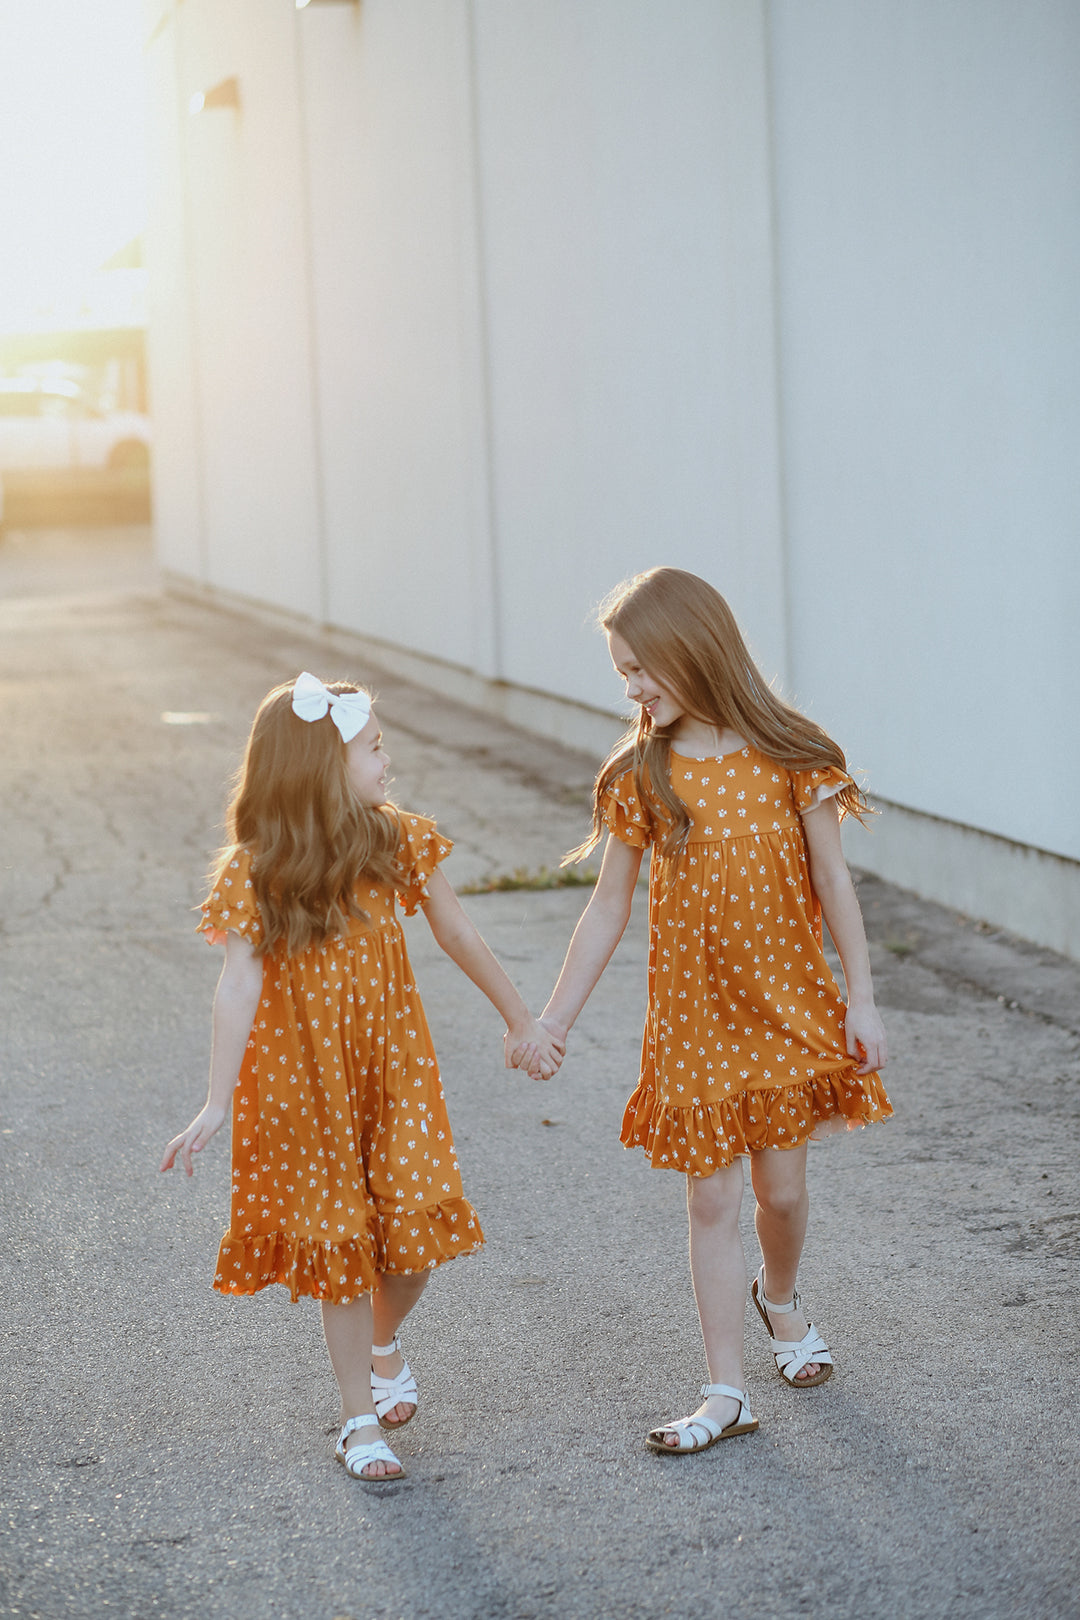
(725,1389)
(386,1349)
(364,1421)
(770,1304)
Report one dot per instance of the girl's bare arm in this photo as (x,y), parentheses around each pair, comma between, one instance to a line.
(599,930)
(236,1001)
(840,908)
(456,934)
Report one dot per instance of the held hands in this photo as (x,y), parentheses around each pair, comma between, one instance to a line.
(531,1046)
(205,1125)
(865,1035)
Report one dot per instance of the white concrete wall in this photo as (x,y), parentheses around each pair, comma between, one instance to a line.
(245,267)
(927,161)
(500,227)
(529,290)
(388,118)
(624,163)
(475,306)
(171,347)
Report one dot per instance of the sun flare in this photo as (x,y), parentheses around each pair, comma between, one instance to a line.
(73,179)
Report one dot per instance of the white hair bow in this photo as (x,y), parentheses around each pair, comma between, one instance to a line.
(350,711)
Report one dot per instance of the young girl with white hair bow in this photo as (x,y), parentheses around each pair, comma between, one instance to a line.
(345,1183)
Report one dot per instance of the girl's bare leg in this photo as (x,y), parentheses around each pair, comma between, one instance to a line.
(395,1295)
(783,1206)
(718,1270)
(347,1329)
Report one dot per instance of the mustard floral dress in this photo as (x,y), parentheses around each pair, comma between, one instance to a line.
(343,1161)
(744,1040)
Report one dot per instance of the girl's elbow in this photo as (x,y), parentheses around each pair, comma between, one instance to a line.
(243,989)
(619,923)
(830,879)
(452,937)
(611,923)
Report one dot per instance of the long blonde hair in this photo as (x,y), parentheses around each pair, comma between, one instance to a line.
(682,631)
(310,838)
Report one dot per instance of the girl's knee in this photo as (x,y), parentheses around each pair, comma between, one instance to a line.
(402,1284)
(779,1180)
(716,1198)
(782,1201)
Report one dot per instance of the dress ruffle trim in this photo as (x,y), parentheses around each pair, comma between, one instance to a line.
(416,1240)
(707,1136)
(401,1241)
(624,814)
(422,848)
(333,1271)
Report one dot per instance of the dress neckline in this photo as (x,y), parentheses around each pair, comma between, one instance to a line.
(706,759)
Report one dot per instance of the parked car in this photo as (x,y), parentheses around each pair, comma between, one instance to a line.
(53,424)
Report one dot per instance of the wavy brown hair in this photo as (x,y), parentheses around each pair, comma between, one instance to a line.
(310,839)
(681,630)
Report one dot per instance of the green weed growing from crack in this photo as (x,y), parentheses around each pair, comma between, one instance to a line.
(564,877)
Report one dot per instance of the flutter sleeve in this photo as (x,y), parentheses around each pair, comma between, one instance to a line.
(421,849)
(811,788)
(623,813)
(231,903)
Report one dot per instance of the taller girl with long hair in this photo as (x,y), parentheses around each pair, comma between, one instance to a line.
(345,1183)
(749,1048)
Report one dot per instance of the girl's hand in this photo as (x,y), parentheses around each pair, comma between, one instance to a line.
(529,1045)
(557,1031)
(865,1036)
(540,1062)
(205,1125)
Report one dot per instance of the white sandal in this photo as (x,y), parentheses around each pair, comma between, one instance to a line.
(390,1392)
(357,1458)
(792,1355)
(709,1433)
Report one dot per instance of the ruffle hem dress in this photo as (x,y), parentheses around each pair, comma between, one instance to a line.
(343,1161)
(744,1039)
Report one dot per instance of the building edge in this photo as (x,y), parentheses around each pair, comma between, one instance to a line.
(1029,891)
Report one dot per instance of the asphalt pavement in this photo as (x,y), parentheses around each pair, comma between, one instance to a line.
(169,1452)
